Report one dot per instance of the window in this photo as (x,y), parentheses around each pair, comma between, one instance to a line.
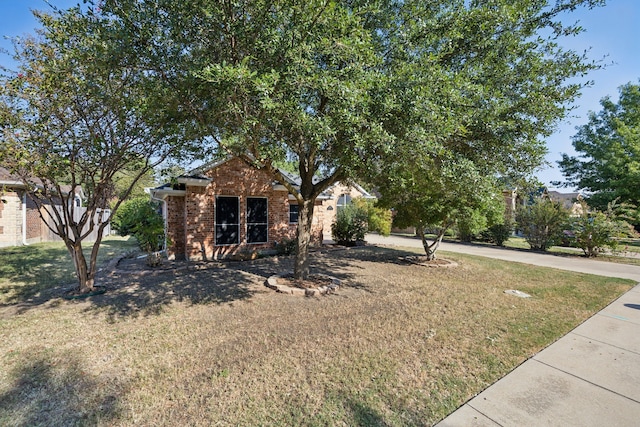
(227,220)
(293,214)
(257,220)
(343,201)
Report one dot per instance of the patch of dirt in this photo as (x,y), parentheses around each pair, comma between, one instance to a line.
(424,261)
(312,282)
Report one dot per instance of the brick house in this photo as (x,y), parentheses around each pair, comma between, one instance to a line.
(20,221)
(226,207)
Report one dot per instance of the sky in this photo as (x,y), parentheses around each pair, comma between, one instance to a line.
(612,35)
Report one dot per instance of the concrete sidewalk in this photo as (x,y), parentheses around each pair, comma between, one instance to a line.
(589,377)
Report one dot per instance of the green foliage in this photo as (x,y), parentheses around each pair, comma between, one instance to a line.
(378,219)
(499,233)
(140,218)
(342,85)
(608,164)
(428,194)
(351,225)
(594,231)
(468,227)
(286,246)
(75,115)
(542,223)
(128,185)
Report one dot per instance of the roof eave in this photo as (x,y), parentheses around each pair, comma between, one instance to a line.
(164,193)
(195,182)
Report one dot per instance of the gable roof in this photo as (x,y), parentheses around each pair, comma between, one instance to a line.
(9,180)
(197,177)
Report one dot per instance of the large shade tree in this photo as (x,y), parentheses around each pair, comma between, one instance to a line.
(74,116)
(269,81)
(608,162)
(344,86)
(490,82)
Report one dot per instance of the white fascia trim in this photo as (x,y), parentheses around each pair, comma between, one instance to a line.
(292,197)
(13,184)
(365,193)
(195,182)
(208,166)
(162,194)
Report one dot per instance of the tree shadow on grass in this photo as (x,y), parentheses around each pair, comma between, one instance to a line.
(36,272)
(364,415)
(374,254)
(25,272)
(48,390)
(133,289)
(148,292)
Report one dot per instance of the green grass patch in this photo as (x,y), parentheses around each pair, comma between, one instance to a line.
(25,271)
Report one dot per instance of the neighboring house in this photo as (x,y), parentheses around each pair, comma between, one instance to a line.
(228,206)
(335,198)
(570,201)
(20,221)
(513,199)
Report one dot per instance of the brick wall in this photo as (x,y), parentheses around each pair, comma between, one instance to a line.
(36,229)
(197,214)
(175,227)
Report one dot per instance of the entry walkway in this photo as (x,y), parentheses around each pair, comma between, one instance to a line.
(589,377)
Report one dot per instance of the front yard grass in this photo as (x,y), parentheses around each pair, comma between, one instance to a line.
(208,344)
(25,271)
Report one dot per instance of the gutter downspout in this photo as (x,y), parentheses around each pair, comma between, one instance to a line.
(24,219)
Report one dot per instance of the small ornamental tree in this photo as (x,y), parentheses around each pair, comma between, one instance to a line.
(75,116)
(542,223)
(432,195)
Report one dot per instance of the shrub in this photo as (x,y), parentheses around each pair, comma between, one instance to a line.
(286,246)
(499,233)
(542,223)
(593,231)
(140,218)
(470,225)
(350,226)
(379,219)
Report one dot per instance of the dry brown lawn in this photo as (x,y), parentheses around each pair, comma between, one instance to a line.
(209,344)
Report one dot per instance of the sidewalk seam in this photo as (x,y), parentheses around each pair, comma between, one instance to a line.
(605,343)
(481,413)
(586,381)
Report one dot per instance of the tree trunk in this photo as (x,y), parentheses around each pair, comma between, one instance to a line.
(430,248)
(85,275)
(305,220)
